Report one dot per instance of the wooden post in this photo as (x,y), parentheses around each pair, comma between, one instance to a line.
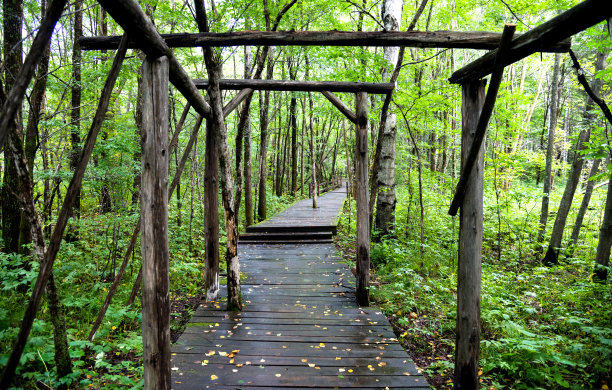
(154,216)
(363,220)
(470,246)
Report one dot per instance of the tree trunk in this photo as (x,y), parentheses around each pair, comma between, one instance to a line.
(467,347)
(552,125)
(32,133)
(552,254)
(294,132)
(248,166)
(63,363)
(264,122)
(75,99)
(385,198)
(13,48)
(602,256)
(213,67)
(313,167)
(585,203)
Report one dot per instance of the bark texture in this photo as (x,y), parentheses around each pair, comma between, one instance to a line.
(385,199)
(12,11)
(573,178)
(552,125)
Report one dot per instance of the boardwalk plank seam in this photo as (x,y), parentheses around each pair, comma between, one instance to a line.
(300,327)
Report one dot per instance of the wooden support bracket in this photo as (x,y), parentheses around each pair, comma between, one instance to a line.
(339,104)
(483,120)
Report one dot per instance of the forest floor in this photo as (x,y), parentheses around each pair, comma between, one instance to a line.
(428,348)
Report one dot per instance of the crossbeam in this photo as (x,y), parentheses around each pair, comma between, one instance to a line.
(144,35)
(576,19)
(304,86)
(482,40)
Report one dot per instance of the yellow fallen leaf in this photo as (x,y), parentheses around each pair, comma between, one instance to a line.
(311,365)
(213,377)
(277,375)
(304,360)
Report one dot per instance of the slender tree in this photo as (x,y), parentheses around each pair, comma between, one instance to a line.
(575,173)
(12,11)
(386,200)
(552,125)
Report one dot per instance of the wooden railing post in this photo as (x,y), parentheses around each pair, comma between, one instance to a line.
(363,220)
(470,246)
(154,217)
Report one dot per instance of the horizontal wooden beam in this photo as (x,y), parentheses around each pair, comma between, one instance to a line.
(305,86)
(576,19)
(144,35)
(443,39)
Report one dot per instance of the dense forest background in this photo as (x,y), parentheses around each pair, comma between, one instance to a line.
(546,323)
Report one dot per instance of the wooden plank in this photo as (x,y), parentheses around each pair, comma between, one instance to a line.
(322,361)
(295,85)
(483,119)
(481,40)
(362,261)
(154,225)
(470,248)
(584,15)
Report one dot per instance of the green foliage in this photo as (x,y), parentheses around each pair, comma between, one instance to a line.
(541,327)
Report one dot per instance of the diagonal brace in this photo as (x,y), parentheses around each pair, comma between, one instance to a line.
(483,120)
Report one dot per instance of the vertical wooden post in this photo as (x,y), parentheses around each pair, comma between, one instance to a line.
(211,211)
(363,220)
(154,216)
(470,246)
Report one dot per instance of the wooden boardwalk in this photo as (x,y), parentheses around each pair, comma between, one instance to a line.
(300,327)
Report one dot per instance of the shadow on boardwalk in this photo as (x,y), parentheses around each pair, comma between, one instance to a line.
(300,327)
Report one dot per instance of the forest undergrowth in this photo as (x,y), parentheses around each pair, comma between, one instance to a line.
(542,327)
(84,272)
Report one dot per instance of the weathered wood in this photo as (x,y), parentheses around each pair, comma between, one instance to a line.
(467,347)
(339,104)
(15,96)
(211,212)
(483,120)
(129,15)
(236,100)
(154,225)
(305,86)
(570,22)
(286,334)
(362,261)
(72,192)
(425,39)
